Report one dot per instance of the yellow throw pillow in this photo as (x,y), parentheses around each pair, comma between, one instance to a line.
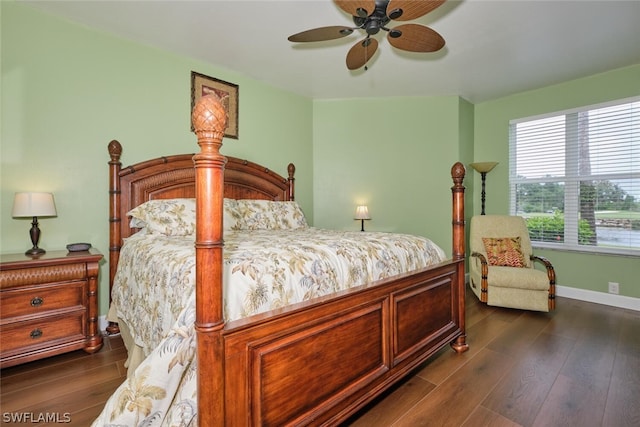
(504,251)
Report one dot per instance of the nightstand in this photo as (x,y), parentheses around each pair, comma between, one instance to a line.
(48,305)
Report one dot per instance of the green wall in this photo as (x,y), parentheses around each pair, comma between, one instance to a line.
(392,154)
(68,90)
(575,270)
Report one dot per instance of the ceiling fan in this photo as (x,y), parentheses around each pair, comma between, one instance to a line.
(373,16)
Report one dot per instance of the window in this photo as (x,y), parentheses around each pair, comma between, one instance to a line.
(575,177)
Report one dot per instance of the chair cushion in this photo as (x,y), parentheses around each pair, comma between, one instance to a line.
(504,251)
(518,278)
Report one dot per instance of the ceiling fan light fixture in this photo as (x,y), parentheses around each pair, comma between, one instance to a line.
(395,13)
(372,27)
(362,13)
(359,22)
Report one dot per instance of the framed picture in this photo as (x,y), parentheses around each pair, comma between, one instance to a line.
(202,85)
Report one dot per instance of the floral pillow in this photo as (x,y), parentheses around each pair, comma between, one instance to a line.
(270,215)
(504,251)
(176,217)
(232,219)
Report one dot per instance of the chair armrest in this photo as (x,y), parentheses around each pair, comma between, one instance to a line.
(550,270)
(481,257)
(551,274)
(484,272)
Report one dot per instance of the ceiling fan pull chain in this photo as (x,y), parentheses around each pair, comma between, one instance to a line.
(366,55)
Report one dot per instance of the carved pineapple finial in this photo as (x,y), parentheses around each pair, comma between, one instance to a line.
(115,150)
(209,118)
(457,173)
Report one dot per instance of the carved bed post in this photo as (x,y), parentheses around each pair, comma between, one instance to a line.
(209,120)
(457,191)
(291,169)
(115,239)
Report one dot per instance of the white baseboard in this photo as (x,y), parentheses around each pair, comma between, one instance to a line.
(599,297)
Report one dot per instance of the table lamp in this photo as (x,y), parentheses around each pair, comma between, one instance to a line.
(362,213)
(33,205)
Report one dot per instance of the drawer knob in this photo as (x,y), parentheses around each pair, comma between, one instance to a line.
(36,333)
(36,301)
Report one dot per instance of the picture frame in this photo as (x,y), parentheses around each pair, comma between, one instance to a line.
(202,85)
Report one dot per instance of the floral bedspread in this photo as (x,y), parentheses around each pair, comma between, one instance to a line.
(154,292)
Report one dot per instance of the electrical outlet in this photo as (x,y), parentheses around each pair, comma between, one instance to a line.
(614,288)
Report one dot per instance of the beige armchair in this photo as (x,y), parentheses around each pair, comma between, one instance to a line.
(501,265)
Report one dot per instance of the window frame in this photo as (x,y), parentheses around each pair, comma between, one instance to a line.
(571,180)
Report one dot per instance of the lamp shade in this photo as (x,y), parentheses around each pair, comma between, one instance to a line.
(362,212)
(483,167)
(33,205)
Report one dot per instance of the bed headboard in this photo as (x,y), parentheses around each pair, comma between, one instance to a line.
(174,177)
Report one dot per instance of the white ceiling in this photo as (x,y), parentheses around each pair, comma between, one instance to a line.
(493,48)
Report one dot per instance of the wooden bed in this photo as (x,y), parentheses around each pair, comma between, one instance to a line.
(255,371)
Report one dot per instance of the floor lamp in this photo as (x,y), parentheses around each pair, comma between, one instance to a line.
(484,168)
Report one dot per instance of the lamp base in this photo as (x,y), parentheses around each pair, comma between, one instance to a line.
(35,251)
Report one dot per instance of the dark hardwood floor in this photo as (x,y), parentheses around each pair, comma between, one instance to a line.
(72,387)
(578,366)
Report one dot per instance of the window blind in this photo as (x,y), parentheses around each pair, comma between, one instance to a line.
(575,177)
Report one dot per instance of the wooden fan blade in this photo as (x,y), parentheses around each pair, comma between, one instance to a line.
(352,7)
(416,38)
(361,52)
(411,9)
(321,34)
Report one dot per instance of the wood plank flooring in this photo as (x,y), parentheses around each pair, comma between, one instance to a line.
(71,387)
(577,366)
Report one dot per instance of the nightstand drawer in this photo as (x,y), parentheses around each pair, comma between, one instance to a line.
(42,332)
(34,300)
(47,274)
(48,305)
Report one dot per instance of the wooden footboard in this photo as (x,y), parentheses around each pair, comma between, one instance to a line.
(316,364)
(311,363)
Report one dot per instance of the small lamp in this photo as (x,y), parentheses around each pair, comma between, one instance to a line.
(33,205)
(362,213)
(484,168)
